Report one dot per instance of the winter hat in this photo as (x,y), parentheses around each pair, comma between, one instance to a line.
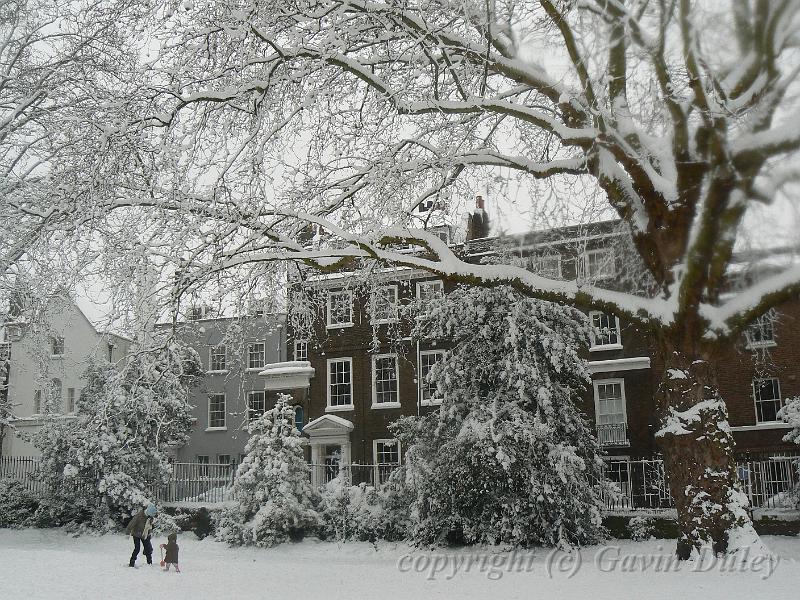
(151,510)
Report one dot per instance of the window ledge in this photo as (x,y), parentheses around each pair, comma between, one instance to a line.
(385,321)
(342,408)
(254,369)
(431,403)
(382,405)
(605,347)
(756,345)
(218,371)
(762,426)
(217,428)
(56,356)
(339,326)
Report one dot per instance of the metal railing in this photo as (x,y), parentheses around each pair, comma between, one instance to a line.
(199,482)
(613,434)
(640,484)
(354,474)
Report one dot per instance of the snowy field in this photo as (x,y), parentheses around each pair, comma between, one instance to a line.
(52,564)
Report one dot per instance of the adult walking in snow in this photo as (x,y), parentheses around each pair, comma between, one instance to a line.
(140,528)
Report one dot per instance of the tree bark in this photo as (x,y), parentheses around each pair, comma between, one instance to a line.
(699,455)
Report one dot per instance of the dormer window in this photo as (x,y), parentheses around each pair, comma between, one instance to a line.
(195,313)
(598,264)
(548,265)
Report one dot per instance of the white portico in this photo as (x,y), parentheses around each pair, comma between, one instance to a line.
(329,438)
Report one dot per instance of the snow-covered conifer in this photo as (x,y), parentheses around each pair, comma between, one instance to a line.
(508,458)
(273,484)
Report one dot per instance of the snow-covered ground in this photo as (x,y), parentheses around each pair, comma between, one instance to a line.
(53,564)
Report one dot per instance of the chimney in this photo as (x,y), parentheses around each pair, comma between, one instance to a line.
(478,221)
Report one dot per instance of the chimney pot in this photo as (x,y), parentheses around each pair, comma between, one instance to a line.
(479,202)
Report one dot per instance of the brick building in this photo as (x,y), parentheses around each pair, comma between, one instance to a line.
(368,371)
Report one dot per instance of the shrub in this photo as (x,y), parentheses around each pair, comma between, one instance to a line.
(18,505)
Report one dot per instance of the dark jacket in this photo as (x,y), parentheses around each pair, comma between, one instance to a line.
(171,554)
(140,525)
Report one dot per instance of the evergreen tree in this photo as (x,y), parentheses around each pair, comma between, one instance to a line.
(273,484)
(508,458)
(109,460)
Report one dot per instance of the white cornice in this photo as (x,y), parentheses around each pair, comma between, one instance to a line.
(619,364)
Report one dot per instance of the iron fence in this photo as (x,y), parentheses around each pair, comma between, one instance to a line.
(640,484)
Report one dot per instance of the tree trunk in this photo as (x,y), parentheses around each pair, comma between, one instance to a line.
(699,456)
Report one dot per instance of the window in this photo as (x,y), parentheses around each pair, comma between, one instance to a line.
(256,355)
(224,459)
(761,332)
(203,461)
(387,458)
(604,332)
(429,291)
(599,264)
(37,402)
(56,402)
(299,415)
(218,358)
(427,389)
(216,411)
(384,380)
(384,304)
(340,383)
(195,313)
(301,349)
(767,396)
(70,400)
(340,309)
(548,265)
(610,412)
(5,351)
(256,405)
(56,346)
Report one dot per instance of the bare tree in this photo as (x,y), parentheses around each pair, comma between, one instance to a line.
(253,121)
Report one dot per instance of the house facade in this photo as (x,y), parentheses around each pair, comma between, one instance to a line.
(368,371)
(234,352)
(45,364)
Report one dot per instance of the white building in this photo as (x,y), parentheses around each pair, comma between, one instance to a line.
(47,360)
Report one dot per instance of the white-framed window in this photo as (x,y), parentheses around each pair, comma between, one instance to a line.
(218,358)
(386,454)
(216,411)
(385,384)
(761,332)
(256,404)
(37,402)
(56,346)
(548,265)
(56,400)
(203,459)
(340,384)
(301,349)
(195,313)
(427,390)
(340,308)
(70,400)
(223,459)
(610,411)
(767,398)
(256,355)
(383,304)
(604,332)
(598,264)
(430,291)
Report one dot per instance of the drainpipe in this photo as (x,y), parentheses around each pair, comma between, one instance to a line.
(419,383)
